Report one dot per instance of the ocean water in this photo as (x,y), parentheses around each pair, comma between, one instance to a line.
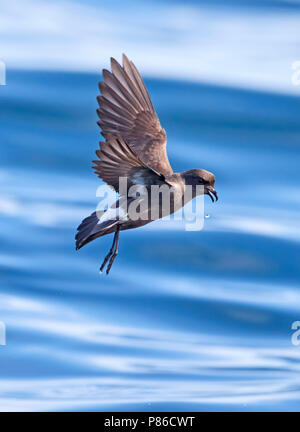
(186,320)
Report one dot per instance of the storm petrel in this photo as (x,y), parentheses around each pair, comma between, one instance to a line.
(134,149)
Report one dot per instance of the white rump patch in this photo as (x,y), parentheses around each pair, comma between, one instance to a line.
(139,185)
(138,178)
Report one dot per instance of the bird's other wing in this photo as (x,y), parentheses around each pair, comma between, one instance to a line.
(116,159)
(126,110)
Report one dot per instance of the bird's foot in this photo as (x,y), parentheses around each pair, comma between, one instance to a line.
(105,260)
(112,253)
(111,262)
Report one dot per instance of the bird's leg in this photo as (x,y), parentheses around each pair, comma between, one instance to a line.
(110,252)
(115,251)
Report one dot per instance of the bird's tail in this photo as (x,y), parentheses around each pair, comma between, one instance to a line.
(90,228)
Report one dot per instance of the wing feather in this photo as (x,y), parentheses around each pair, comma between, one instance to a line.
(125,110)
(116,159)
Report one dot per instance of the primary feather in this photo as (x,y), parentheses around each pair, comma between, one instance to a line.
(126,110)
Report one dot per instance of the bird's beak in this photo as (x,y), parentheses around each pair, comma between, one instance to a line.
(212,193)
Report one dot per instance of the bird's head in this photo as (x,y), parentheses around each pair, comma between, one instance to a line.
(199,177)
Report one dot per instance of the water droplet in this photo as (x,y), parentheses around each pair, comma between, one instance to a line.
(207,216)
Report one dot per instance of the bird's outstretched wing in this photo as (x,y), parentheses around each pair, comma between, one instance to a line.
(126,110)
(117,160)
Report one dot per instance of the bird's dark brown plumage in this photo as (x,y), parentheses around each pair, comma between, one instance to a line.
(135,149)
(117,160)
(126,110)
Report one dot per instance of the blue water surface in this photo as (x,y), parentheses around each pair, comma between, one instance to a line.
(186,320)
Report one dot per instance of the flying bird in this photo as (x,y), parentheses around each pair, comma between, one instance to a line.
(134,148)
